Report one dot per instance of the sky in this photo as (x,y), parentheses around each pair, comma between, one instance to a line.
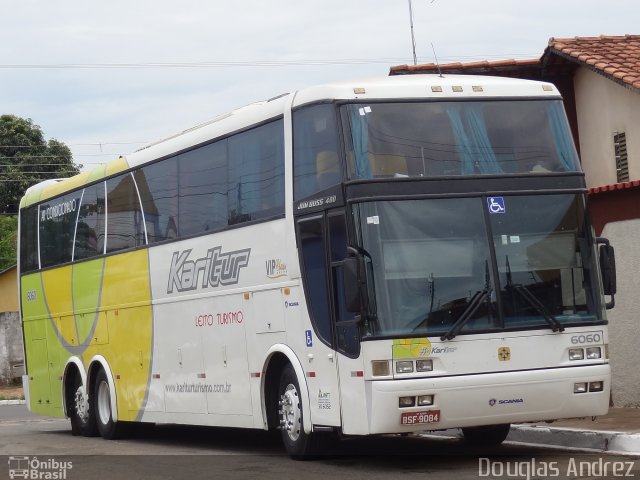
(108,77)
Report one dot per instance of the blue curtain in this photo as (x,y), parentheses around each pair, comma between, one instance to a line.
(562,136)
(360,137)
(487,162)
(462,141)
(472,139)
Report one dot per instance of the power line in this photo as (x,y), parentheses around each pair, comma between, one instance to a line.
(32,164)
(244,63)
(102,144)
(219,64)
(23,157)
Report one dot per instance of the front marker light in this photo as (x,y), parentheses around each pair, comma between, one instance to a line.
(593,353)
(576,354)
(405,402)
(380,368)
(580,387)
(404,366)
(596,386)
(424,365)
(425,400)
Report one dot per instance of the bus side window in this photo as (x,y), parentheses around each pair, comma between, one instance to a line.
(158,187)
(57,221)
(89,240)
(256,173)
(202,182)
(124,216)
(29,239)
(316,165)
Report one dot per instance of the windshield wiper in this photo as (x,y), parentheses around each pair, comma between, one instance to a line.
(531,299)
(476,300)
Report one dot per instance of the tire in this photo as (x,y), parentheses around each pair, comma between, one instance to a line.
(101,402)
(490,435)
(81,413)
(297,443)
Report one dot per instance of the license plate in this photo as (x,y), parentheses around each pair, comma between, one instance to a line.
(420,418)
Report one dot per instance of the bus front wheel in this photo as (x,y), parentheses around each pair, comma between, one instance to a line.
(108,428)
(297,443)
(486,435)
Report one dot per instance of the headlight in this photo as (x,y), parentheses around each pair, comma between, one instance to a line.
(404,366)
(594,352)
(576,354)
(424,365)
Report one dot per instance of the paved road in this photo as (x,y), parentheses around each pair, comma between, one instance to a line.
(172,452)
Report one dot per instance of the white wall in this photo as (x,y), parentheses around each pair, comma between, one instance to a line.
(624,319)
(604,107)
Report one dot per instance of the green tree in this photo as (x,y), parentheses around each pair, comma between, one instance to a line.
(8,233)
(26,158)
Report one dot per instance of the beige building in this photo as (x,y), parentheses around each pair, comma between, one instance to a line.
(9,290)
(599,78)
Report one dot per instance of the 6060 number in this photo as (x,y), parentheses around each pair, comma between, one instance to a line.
(587,338)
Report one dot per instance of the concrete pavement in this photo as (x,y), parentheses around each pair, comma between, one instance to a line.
(616,432)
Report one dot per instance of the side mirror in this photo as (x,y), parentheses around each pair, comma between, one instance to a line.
(607,269)
(355,284)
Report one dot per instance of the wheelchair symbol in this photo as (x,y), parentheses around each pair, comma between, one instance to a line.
(496,205)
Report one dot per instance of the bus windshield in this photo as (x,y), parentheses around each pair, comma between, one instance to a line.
(434,262)
(425,139)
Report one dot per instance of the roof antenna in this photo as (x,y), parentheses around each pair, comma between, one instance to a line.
(437,63)
(413,38)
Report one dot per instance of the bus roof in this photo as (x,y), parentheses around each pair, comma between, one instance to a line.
(428,86)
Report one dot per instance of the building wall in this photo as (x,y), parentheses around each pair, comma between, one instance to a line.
(11,350)
(624,319)
(9,291)
(604,107)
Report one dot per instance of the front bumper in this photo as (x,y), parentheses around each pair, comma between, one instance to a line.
(489,399)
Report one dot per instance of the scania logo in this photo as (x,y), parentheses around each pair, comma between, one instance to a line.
(506,401)
(212,270)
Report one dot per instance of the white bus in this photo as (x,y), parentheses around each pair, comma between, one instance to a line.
(390,255)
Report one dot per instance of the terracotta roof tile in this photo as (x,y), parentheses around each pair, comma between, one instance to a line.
(615,186)
(615,56)
(458,67)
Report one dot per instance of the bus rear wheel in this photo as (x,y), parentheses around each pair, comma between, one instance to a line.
(297,443)
(81,414)
(108,428)
(489,435)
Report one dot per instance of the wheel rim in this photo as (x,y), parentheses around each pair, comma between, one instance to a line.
(81,405)
(104,403)
(290,413)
